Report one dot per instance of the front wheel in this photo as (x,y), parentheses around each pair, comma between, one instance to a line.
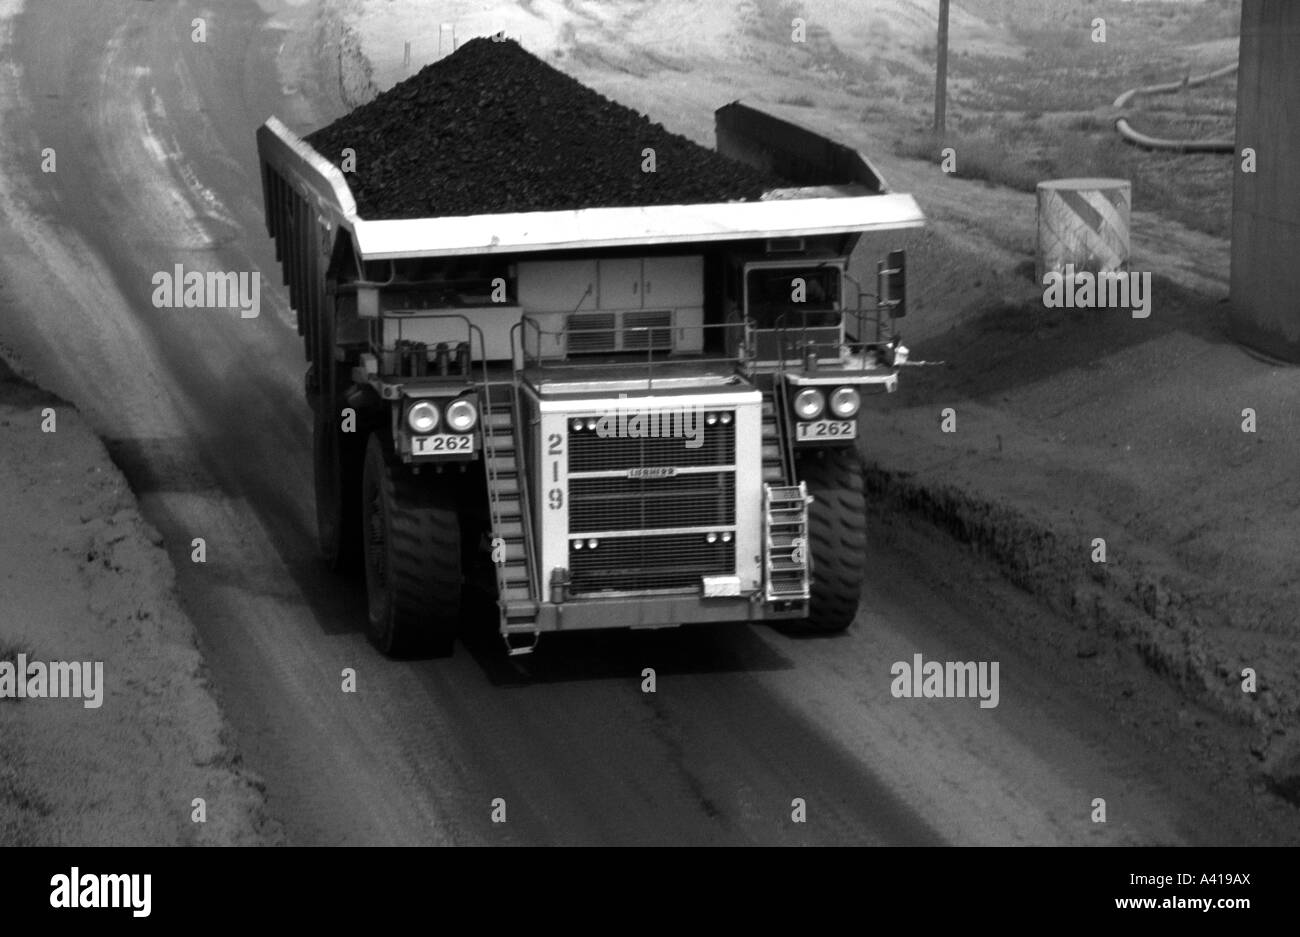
(412,558)
(837,534)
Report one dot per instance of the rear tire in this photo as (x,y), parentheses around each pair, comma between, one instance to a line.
(412,560)
(336,458)
(837,534)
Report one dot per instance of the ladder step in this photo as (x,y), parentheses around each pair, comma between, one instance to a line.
(518,606)
(785,576)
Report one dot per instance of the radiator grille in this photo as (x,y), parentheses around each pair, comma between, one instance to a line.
(664,561)
(591,332)
(642,557)
(705,500)
(646,330)
(657,336)
(678,433)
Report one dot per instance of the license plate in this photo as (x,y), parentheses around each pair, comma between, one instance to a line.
(826,429)
(442,444)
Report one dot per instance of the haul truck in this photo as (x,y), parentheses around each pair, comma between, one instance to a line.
(610,417)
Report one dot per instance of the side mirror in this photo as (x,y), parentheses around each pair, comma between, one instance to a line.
(891,284)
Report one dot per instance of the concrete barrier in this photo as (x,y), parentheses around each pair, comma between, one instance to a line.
(1083,223)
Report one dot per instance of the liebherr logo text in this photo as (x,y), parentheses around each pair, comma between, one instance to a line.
(75,890)
(652,472)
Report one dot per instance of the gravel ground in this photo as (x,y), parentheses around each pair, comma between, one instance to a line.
(84,578)
(491,128)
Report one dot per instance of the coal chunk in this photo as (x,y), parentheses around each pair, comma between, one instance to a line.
(492,128)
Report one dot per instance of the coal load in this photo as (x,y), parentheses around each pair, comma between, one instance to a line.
(491,128)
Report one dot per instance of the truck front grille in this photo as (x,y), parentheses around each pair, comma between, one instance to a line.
(681,443)
(653,501)
(621,503)
(662,561)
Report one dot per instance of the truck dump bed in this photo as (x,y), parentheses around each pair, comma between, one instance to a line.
(309,204)
(817,186)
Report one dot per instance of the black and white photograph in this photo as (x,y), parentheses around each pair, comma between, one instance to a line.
(650,423)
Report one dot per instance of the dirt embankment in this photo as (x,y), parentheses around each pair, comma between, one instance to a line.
(84,579)
(1162,439)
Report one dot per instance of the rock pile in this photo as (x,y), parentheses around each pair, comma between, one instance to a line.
(491,128)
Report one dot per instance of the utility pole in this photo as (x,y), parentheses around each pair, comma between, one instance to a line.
(941,79)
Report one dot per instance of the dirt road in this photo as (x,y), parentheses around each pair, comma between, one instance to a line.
(204,410)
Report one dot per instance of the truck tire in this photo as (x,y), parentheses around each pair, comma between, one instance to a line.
(837,534)
(336,461)
(412,560)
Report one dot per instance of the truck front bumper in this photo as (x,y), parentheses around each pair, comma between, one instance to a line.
(657,611)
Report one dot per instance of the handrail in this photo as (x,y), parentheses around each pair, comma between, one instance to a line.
(531,560)
(538,360)
(784,441)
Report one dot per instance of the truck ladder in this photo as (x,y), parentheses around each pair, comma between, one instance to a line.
(785,553)
(785,510)
(512,535)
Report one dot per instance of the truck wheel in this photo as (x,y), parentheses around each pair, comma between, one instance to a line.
(837,534)
(412,559)
(336,461)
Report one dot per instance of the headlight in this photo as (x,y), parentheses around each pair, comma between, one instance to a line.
(845,402)
(809,403)
(461,415)
(422,417)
